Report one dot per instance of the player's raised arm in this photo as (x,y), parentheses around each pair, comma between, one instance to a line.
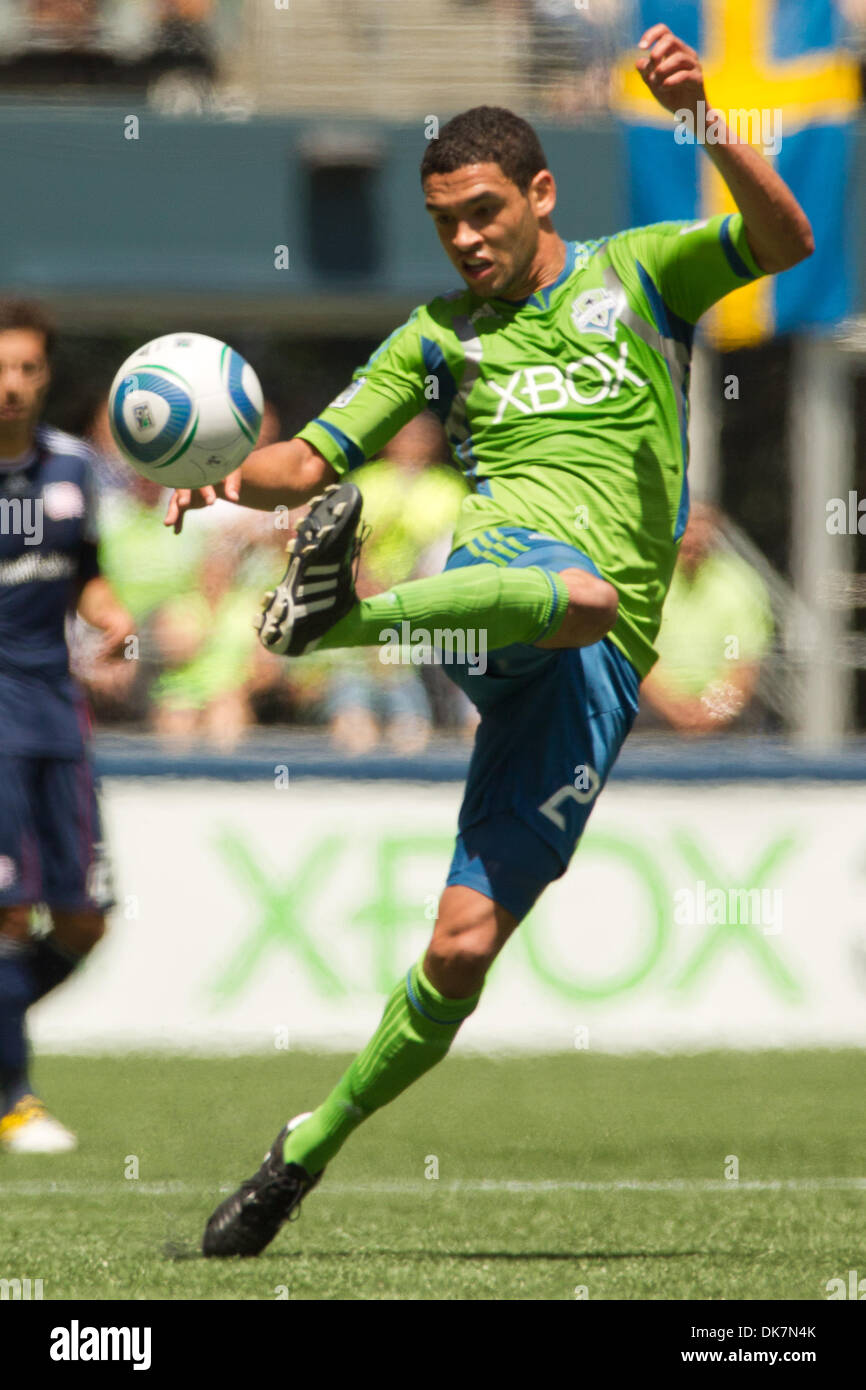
(286,474)
(777,229)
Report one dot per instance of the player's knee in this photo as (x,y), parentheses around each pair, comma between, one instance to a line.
(593,597)
(461,955)
(608,606)
(78,931)
(592,609)
(15,920)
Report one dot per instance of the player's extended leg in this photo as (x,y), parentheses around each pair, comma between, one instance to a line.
(421,1020)
(315,605)
(537,607)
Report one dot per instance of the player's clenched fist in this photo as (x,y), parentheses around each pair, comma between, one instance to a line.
(671,70)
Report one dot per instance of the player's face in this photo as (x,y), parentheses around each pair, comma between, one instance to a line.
(488,228)
(23,378)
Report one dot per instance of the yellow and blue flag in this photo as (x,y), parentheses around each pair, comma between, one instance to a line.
(780,69)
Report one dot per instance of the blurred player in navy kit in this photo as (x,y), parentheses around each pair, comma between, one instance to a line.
(50,838)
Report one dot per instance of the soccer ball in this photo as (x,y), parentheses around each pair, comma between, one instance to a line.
(185,410)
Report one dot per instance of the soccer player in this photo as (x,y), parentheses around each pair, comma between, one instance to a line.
(561,373)
(50,840)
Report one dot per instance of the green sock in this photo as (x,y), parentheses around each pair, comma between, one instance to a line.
(507,605)
(417,1029)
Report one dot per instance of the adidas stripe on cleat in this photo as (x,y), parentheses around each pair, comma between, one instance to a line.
(248,1220)
(318,587)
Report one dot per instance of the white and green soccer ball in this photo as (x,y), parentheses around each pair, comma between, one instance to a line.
(185,410)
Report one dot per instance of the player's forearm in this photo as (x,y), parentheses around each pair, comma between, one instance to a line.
(96,602)
(99,606)
(280,475)
(286,474)
(777,228)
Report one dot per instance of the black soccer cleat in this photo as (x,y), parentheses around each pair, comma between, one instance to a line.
(318,587)
(248,1220)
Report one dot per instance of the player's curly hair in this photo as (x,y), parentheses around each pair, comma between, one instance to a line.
(486,135)
(27,313)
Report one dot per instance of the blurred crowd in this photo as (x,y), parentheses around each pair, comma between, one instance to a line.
(146,45)
(179,51)
(159,44)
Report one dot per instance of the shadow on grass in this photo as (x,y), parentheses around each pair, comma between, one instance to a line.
(508,1255)
(179,1252)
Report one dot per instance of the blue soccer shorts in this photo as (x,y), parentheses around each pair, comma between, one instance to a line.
(552,725)
(51,847)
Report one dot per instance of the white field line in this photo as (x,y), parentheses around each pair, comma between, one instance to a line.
(49,1187)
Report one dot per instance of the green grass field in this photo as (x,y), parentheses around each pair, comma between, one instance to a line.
(506,1218)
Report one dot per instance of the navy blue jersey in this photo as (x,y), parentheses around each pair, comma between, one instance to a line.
(47,552)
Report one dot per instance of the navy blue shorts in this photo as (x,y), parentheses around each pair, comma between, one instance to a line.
(552,725)
(51,847)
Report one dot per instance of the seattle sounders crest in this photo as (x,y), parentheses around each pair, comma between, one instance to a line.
(594,311)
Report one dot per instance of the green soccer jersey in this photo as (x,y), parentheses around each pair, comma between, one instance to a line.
(568,411)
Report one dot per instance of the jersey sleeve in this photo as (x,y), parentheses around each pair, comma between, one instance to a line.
(695,264)
(383,395)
